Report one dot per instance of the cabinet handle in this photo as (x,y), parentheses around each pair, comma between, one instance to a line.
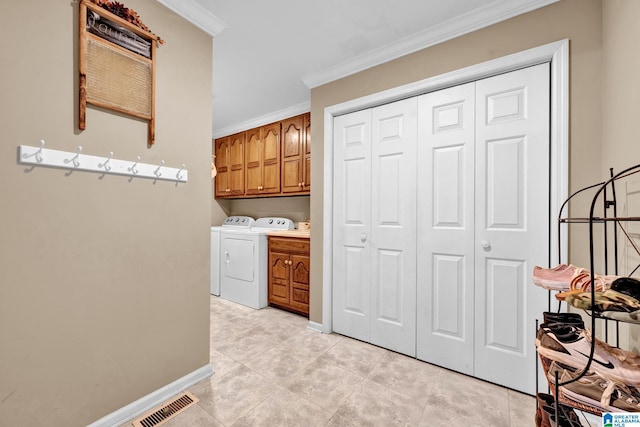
(363,237)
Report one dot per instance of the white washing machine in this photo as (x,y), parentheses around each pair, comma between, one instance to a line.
(244,257)
(243,222)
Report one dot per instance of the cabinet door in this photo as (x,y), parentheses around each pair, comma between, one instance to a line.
(279,278)
(236,164)
(253,163)
(221,151)
(292,154)
(306,167)
(271,159)
(299,297)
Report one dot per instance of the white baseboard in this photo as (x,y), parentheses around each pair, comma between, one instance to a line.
(142,405)
(314,326)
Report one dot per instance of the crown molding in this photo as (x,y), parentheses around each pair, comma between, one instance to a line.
(491,14)
(197,15)
(285,113)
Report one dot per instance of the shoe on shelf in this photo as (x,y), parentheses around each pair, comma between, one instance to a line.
(546,408)
(558,278)
(581,282)
(563,318)
(566,419)
(628,286)
(572,346)
(594,391)
(609,300)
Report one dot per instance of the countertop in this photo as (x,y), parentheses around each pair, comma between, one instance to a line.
(305,234)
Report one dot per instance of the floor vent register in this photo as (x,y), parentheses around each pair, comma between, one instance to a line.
(161,414)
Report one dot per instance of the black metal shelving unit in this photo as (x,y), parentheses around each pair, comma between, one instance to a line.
(605,199)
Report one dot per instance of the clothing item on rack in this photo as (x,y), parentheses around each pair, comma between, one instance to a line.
(593,392)
(572,346)
(558,278)
(545,412)
(609,300)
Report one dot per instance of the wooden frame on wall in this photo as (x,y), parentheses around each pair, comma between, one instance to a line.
(116,64)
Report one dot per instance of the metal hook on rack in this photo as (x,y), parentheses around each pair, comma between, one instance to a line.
(75,159)
(105,164)
(179,174)
(157,171)
(37,154)
(133,168)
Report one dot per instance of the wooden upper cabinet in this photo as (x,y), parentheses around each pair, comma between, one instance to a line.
(236,164)
(294,142)
(262,162)
(306,173)
(221,150)
(229,152)
(270,160)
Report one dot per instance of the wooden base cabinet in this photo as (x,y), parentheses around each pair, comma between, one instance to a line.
(289,273)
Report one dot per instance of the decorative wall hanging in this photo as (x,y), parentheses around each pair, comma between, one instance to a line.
(116,62)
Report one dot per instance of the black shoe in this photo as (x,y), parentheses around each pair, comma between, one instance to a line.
(628,286)
(573,319)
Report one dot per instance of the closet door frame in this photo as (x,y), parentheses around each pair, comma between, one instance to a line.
(556,53)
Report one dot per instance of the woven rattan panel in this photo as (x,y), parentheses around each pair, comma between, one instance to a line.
(118,80)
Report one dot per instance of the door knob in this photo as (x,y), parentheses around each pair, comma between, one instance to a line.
(485,244)
(363,237)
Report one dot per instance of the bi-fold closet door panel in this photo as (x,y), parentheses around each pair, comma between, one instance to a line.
(512,222)
(483,209)
(445,229)
(374,281)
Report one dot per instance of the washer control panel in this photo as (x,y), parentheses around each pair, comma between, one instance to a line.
(274,223)
(238,221)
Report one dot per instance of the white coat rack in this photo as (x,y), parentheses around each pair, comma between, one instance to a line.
(40,156)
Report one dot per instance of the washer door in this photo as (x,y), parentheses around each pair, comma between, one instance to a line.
(238,258)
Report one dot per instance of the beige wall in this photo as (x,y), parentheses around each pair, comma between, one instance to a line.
(103,281)
(577,20)
(620,134)
(294,208)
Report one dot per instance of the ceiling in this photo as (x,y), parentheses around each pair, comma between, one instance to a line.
(268,55)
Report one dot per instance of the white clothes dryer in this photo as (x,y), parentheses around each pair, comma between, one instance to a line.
(231,222)
(244,258)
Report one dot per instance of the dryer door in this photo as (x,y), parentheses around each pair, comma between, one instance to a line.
(238,257)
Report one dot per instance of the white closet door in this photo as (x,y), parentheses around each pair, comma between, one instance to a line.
(512,222)
(445,299)
(352,225)
(393,226)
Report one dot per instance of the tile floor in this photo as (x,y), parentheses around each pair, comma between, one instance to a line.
(270,370)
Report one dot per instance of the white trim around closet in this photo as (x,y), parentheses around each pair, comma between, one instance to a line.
(556,53)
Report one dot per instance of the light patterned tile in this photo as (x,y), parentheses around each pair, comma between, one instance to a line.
(284,409)
(222,330)
(354,356)
(279,363)
(222,365)
(245,346)
(312,342)
(195,416)
(406,375)
(324,384)
(522,408)
(237,393)
(457,399)
(374,405)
